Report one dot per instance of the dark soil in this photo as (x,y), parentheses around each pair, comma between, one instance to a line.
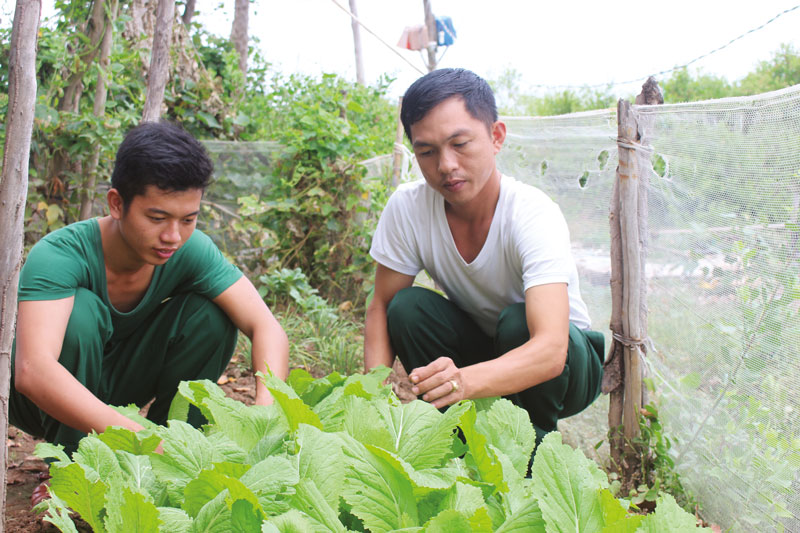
(25,470)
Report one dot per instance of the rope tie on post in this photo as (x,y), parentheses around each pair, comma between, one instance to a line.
(641,148)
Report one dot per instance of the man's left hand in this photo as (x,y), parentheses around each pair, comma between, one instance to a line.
(440,383)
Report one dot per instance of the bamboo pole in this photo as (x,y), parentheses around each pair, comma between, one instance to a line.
(397,152)
(357,43)
(430,24)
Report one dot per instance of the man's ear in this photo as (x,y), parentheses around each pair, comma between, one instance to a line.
(116,206)
(498,135)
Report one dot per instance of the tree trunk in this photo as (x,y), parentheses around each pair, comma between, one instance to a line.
(159,61)
(13,188)
(239,31)
(188,13)
(74,89)
(70,102)
(99,109)
(357,43)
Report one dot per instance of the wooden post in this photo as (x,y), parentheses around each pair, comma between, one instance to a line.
(13,189)
(628,176)
(397,152)
(430,24)
(628,218)
(357,43)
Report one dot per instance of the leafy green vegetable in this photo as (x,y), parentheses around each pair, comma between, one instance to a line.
(337,454)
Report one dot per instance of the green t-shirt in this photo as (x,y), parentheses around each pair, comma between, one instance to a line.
(72,257)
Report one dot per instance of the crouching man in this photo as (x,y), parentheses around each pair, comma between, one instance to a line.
(120,309)
(513,323)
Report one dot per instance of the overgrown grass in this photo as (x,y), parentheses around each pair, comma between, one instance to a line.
(320,341)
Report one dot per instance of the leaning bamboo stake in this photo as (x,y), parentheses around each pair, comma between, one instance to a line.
(397,152)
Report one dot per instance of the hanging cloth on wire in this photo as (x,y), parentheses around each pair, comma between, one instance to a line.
(414,38)
(445,32)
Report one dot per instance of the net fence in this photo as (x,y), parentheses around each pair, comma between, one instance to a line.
(723,289)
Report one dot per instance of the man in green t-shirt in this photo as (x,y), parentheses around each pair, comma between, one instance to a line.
(120,309)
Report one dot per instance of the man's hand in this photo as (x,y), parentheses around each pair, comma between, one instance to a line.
(440,383)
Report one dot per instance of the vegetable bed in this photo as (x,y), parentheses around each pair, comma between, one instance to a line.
(337,454)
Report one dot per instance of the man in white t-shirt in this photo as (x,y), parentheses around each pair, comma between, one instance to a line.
(512,323)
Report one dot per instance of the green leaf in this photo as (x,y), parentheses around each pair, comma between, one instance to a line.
(46,450)
(245,517)
(87,498)
(98,460)
(174,520)
(210,483)
(214,517)
(421,435)
(486,462)
(138,473)
(509,429)
(57,514)
(448,521)
(377,489)
(567,485)
(209,119)
(272,480)
(129,441)
(290,522)
(668,518)
(526,519)
(295,411)
(187,452)
(310,501)
(129,510)
(321,460)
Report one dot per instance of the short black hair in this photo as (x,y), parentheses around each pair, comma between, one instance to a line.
(161,154)
(439,85)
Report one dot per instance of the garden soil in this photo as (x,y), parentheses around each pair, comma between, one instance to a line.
(25,470)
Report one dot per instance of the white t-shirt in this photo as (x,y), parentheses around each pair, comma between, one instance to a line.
(527,245)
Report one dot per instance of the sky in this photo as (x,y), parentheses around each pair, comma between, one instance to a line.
(552,44)
(549,43)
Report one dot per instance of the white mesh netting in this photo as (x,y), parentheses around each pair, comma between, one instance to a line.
(722,279)
(722,282)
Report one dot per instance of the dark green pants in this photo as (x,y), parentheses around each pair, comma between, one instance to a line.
(424,326)
(187,337)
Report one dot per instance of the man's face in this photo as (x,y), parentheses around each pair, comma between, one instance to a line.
(455,151)
(157,223)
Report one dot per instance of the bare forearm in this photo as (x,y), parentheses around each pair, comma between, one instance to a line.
(377,348)
(534,362)
(270,352)
(69,401)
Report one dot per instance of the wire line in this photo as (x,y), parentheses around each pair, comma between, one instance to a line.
(392,48)
(673,69)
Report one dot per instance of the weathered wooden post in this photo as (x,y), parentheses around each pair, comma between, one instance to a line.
(628,219)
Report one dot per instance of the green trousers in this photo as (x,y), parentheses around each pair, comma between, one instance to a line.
(187,337)
(424,326)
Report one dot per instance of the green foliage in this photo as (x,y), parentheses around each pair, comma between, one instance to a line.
(681,86)
(336,454)
(657,463)
(315,213)
(512,101)
(780,71)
